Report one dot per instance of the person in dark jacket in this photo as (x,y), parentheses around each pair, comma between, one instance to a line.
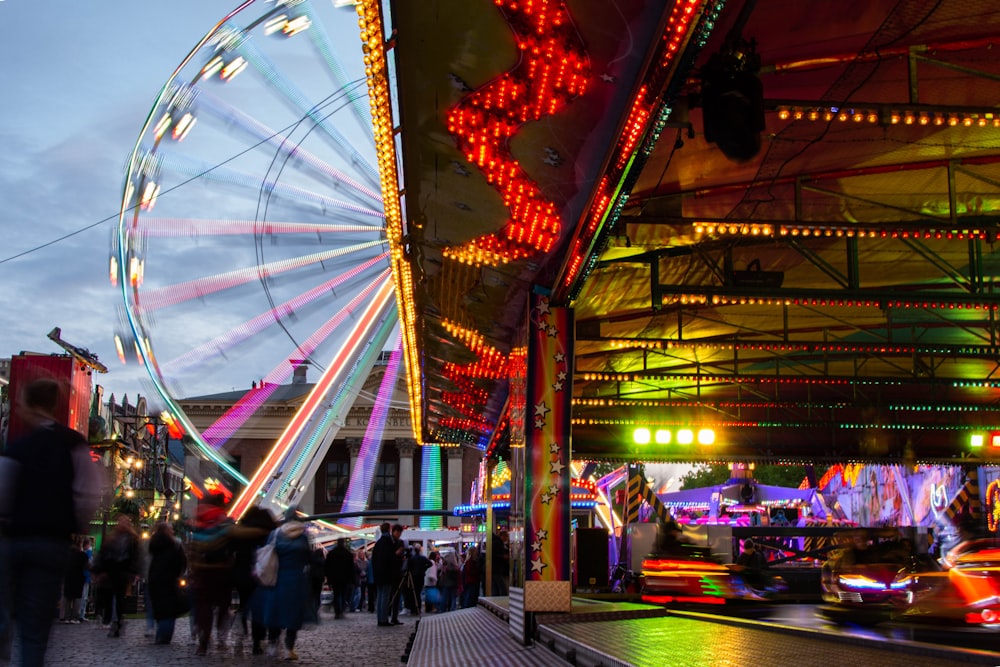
(417,565)
(317,575)
(167,563)
(40,526)
(118,564)
(471,578)
(340,575)
(212,554)
(73,582)
(246,551)
(385,568)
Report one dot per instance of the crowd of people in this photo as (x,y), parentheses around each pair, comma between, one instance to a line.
(49,568)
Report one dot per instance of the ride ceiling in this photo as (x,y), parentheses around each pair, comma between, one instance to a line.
(830,295)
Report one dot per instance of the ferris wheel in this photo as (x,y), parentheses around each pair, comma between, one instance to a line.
(251,241)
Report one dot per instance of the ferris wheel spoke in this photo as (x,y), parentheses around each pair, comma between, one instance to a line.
(360,484)
(283,85)
(197,227)
(224,427)
(323,44)
(280,141)
(294,196)
(199,288)
(257,325)
(335,377)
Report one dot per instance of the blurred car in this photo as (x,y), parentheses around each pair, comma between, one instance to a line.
(686,575)
(865,582)
(962,589)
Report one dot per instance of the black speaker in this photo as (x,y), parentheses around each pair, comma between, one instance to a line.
(592,558)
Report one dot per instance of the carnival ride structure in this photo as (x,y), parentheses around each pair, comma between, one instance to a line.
(251,240)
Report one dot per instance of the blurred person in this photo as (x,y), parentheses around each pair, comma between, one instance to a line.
(285,606)
(471,578)
(317,575)
(167,563)
(370,583)
(670,540)
(431,595)
(118,562)
(501,563)
(88,550)
(212,557)
(399,561)
(73,582)
(339,568)
(38,527)
(147,603)
(246,546)
(383,564)
(751,563)
(360,593)
(967,531)
(449,574)
(417,565)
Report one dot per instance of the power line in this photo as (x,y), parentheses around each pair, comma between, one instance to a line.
(321,105)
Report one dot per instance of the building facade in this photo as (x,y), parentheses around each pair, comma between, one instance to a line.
(398,475)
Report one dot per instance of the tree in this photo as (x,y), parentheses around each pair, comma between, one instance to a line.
(771,475)
(706,475)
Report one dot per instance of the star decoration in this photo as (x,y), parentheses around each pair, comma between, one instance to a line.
(536,546)
(556,467)
(539,423)
(543,306)
(553,331)
(561,375)
(537,565)
(554,448)
(607,78)
(554,489)
(557,386)
(546,498)
(541,534)
(541,409)
(559,357)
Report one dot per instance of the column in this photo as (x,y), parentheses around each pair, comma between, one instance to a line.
(455,458)
(547,584)
(404,500)
(354,449)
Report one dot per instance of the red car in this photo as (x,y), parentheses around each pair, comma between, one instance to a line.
(963,588)
(686,575)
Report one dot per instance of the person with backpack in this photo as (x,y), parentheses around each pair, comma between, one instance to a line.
(212,556)
(118,563)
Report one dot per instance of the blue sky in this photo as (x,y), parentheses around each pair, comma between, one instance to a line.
(78,79)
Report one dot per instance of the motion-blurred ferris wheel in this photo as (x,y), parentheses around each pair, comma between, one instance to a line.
(251,238)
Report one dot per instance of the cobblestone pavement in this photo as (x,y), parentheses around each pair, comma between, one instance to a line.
(354,640)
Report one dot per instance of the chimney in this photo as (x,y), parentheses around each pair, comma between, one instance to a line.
(299,374)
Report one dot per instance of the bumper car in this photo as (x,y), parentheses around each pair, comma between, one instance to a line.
(687,575)
(964,589)
(867,584)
